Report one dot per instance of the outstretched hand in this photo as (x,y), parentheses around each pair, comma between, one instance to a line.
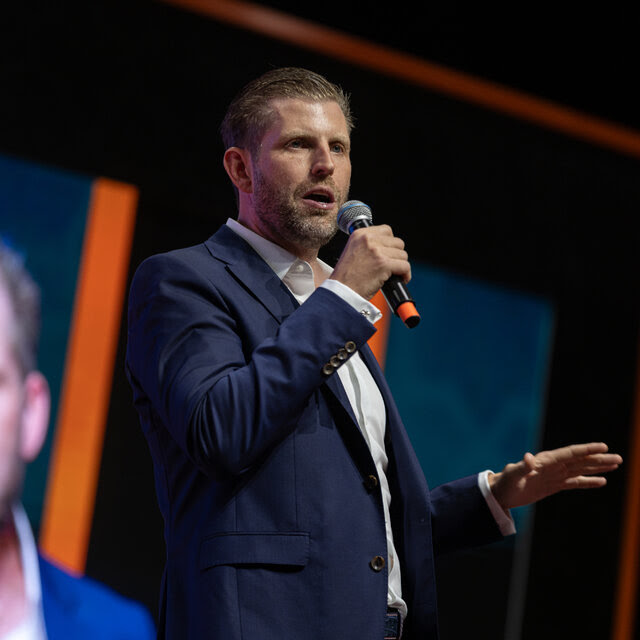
(548,472)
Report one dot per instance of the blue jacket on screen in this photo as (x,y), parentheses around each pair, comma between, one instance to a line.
(83,609)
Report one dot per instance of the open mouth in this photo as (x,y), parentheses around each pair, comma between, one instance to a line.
(323,197)
(318,197)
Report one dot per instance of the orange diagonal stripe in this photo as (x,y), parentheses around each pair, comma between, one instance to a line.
(624,619)
(84,402)
(378,341)
(415,70)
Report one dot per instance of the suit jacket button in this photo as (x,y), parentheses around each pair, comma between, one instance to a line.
(350,346)
(342,354)
(328,369)
(371,482)
(377,563)
(335,362)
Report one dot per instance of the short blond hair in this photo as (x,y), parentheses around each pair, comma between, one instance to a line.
(251,113)
(24,296)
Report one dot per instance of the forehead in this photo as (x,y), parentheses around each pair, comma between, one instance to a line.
(309,116)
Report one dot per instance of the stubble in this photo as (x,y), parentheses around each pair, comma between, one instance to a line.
(288,218)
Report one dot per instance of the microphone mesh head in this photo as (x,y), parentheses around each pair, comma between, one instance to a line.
(351,211)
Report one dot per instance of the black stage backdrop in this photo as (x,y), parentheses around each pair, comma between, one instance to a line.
(135,91)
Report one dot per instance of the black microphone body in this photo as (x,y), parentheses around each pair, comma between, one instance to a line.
(357,215)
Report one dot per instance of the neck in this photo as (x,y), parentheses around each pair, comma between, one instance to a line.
(13,600)
(303,252)
(319,274)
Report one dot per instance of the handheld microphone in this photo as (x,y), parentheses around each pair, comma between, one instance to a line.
(356,215)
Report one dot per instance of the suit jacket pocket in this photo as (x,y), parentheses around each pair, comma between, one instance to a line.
(249,548)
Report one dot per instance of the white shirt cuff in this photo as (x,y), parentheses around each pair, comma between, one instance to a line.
(369,311)
(503,518)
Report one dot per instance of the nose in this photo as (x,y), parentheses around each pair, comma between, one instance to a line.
(323,164)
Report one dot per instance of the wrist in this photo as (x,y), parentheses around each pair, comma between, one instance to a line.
(494,484)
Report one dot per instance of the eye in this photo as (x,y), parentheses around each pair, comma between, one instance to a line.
(338,147)
(295,144)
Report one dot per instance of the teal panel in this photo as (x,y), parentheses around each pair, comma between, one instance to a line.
(470,378)
(43,212)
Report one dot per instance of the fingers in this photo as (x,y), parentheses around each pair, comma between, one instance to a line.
(588,470)
(608,461)
(604,458)
(576,454)
(535,477)
(593,464)
(585,482)
(369,259)
(582,450)
(380,240)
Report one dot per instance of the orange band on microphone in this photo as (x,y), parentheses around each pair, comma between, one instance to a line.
(408,314)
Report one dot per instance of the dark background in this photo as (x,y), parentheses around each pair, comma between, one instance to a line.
(135,91)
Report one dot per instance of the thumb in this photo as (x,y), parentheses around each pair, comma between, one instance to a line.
(529,462)
(525,466)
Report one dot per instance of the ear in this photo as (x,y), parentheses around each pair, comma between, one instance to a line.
(35,415)
(237,163)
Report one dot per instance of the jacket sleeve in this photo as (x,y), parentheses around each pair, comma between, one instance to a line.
(226,404)
(460,516)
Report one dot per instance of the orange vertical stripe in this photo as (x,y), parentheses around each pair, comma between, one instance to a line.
(409,68)
(84,402)
(624,619)
(378,341)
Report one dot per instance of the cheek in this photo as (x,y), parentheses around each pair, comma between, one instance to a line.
(10,419)
(343,174)
(288,169)
(274,177)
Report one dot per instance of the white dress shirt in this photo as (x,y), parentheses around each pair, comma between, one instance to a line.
(32,627)
(359,385)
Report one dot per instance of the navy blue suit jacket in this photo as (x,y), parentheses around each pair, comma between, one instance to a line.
(262,474)
(80,608)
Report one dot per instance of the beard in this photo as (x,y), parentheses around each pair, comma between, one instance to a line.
(285,214)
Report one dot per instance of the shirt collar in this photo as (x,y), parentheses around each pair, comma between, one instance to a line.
(31,571)
(279,259)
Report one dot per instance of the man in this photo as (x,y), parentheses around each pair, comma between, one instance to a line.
(37,599)
(293,502)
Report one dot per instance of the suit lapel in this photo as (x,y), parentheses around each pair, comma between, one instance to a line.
(374,368)
(371,363)
(253,273)
(392,433)
(335,386)
(376,371)
(257,277)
